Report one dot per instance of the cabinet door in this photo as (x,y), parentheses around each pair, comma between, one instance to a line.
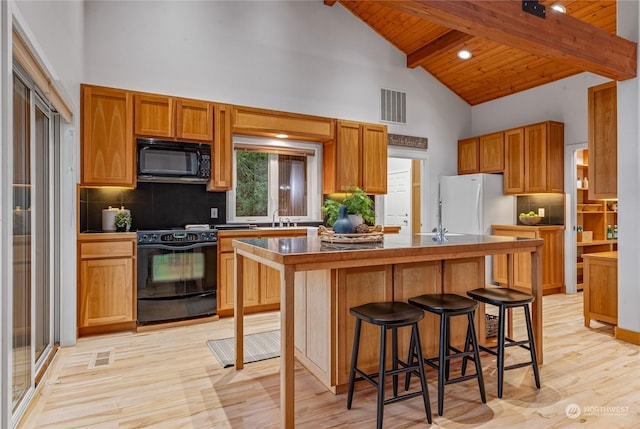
(468,158)
(603,141)
(535,158)
(226,290)
(348,161)
(225,287)
(194,120)
(222,162)
(492,153)
(154,115)
(514,161)
(555,157)
(108,150)
(106,292)
(269,285)
(374,158)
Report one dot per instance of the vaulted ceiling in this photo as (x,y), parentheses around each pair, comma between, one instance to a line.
(512,50)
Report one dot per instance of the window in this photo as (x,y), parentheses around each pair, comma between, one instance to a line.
(275,179)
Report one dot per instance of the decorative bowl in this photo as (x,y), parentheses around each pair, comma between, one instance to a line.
(530,220)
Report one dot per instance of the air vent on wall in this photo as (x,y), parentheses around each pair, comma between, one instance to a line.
(393,106)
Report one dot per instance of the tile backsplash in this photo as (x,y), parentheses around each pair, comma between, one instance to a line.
(553,205)
(153,205)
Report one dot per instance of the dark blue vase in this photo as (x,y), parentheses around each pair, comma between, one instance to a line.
(343,225)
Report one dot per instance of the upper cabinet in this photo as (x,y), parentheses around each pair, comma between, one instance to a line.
(154,116)
(195,120)
(534,159)
(603,142)
(484,154)
(357,157)
(107,147)
(221,167)
(169,117)
(468,159)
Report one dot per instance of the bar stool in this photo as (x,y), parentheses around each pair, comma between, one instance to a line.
(447,306)
(505,298)
(388,315)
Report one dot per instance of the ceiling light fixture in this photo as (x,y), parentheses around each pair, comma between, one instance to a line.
(282,136)
(559,8)
(463,54)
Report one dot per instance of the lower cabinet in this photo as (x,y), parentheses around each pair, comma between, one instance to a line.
(601,287)
(106,285)
(262,283)
(552,258)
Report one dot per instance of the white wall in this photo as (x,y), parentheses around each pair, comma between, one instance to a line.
(629,180)
(295,56)
(564,101)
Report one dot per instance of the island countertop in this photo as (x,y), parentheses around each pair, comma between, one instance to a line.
(291,256)
(393,249)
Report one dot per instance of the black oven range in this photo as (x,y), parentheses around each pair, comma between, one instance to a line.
(177,274)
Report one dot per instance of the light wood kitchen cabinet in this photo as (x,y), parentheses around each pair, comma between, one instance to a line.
(356,158)
(262,283)
(540,165)
(107,146)
(601,287)
(491,153)
(552,258)
(173,118)
(222,159)
(484,154)
(194,120)
(154,116)
(514,161)
(269,123)
(106,283)
(468,156)
(603,141)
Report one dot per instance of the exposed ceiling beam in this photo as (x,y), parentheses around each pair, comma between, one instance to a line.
(329,3)
(560,36)
(449,40)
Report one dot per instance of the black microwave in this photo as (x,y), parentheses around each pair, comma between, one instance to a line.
(173,162)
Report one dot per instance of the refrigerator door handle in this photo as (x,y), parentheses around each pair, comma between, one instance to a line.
(479,210)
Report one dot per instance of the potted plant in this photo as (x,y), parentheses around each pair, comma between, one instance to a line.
(122,221)
(357,203)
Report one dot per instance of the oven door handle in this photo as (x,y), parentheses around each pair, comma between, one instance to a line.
(167,247)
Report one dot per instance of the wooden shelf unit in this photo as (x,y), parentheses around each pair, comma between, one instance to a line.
(595,221)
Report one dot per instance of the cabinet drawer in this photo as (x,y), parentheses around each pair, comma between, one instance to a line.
(106,249)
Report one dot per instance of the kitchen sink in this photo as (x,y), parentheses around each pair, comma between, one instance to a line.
(448,234)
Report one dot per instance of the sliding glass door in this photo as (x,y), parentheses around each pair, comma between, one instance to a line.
(32,292)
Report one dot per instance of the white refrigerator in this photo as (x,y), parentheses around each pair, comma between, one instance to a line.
(471,203)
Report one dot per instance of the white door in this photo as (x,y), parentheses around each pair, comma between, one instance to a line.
(398,200)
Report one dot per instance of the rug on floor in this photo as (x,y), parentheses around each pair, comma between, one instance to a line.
(257,347)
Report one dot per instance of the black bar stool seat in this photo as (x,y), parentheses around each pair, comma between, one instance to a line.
(446,306)
(505,298)
(388,315)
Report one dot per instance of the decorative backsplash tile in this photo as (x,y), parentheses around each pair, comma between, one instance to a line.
(553,205)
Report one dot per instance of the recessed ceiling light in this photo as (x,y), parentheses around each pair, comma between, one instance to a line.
(559,8)
(463,54)
(282,136)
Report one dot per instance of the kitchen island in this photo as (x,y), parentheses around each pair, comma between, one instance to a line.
(320,281)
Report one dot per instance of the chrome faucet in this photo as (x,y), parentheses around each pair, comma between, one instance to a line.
(440,233)
(273,217)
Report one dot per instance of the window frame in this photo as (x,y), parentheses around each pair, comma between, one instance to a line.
(314,181)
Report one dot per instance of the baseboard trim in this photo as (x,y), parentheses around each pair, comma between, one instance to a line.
(627,336)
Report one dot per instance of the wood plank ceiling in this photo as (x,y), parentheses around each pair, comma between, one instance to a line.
(496,69)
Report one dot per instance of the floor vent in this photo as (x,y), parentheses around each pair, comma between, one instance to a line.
(101,359)
(393,106)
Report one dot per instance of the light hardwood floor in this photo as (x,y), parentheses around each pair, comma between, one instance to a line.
(170,379)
